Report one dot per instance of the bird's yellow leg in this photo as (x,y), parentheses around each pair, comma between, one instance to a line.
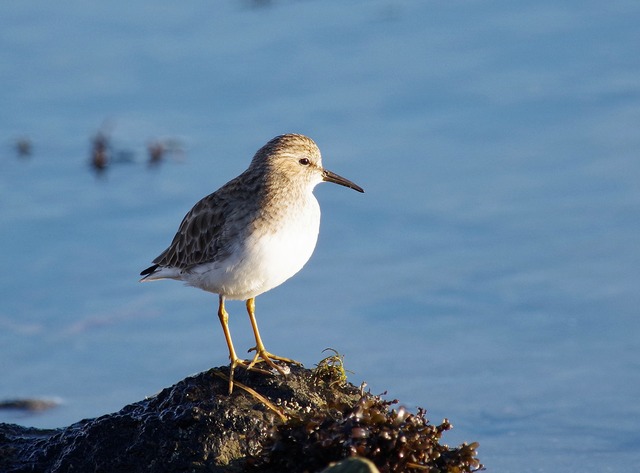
(235,361)
(224,321)
(261,353)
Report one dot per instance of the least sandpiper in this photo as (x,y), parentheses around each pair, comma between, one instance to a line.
(252,234)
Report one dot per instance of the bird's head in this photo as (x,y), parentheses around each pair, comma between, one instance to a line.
(296,158)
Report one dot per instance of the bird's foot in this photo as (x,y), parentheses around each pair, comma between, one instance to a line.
(238,363)
(263,356)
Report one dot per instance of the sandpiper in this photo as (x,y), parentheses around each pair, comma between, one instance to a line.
(252,234)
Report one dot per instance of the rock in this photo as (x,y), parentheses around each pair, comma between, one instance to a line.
(352,465)
(268,424)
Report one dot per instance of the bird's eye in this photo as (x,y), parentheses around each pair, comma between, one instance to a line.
(304,162)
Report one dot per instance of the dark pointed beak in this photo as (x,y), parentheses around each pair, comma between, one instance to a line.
(329,176)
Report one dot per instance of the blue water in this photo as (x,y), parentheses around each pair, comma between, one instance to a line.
(490,273)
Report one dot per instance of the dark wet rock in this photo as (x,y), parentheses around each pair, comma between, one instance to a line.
(194,426)
(352,465)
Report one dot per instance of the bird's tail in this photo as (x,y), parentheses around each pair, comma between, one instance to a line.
(149,273)
(156,271)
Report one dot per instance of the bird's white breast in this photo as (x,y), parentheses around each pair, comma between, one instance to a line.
(265,257)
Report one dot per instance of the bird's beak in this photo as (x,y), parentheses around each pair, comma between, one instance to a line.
(329,176)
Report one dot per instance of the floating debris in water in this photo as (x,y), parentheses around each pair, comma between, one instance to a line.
(156,152)
(159,149)
(29,405)
(23,147)
(100,152)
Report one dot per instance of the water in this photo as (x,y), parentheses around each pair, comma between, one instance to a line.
(490,272)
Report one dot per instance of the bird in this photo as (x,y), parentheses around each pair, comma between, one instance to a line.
(251,235)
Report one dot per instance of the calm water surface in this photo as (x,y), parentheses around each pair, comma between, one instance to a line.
(490,273)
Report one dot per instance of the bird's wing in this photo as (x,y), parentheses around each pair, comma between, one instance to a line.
(203,236)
